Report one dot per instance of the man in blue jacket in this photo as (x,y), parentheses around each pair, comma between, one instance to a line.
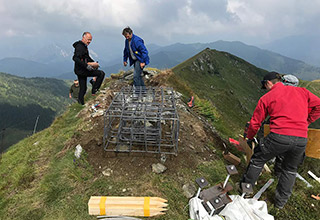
(137,54)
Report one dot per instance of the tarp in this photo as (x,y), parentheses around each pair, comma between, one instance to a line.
(238,209)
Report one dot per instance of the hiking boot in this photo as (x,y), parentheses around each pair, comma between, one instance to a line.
(94,92)
(278,206)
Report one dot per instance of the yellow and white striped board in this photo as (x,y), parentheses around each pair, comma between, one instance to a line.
(127,206)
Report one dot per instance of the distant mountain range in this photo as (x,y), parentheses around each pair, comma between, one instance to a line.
(22,100)
(26,68)
(56,62)
(305,48)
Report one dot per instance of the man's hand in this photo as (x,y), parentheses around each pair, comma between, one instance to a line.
(70,96)
(142,65)
(125,63)
(94,64)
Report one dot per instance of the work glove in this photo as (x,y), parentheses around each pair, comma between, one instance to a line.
(249,142)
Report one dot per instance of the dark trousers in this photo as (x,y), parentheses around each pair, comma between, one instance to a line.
(83,83)
(137,78)
(292,150)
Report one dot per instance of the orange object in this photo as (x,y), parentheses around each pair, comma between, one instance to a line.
(236,144)
(191,102)
(317,197)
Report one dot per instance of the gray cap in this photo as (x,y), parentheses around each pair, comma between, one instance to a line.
(290,80)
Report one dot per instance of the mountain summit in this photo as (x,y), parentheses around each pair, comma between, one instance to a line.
(41,178)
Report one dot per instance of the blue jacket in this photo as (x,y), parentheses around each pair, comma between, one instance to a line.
(138,48)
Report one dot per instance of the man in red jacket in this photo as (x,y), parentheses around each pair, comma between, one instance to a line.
(289,120)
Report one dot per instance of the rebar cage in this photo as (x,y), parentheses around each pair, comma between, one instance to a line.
(142,119)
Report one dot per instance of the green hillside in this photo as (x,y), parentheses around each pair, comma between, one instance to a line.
(169,56)
(314,87)
(42,179)
(230,85)
(22,100)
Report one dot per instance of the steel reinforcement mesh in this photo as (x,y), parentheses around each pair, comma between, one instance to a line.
(142,120)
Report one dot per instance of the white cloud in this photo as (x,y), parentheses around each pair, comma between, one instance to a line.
(273,18)
(162,21)
(95,13)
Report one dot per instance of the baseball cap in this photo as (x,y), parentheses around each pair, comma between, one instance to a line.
(269,76)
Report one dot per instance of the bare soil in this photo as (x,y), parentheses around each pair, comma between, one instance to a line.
(195,137)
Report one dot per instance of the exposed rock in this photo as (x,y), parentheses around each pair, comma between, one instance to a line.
(148,73)
(78,151)
(97,113)
(158,168)
(189,190)
(107,172)
(177,95)
(123,147)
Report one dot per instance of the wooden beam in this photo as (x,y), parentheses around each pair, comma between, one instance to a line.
(126,206)
(313,145)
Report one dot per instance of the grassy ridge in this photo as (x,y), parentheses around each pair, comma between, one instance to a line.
(314,87)
(229,83)
(41,179)
(46,92)
(53,185)
(22,100)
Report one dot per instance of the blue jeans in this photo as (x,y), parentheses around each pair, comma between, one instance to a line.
(292,149)
(137,78)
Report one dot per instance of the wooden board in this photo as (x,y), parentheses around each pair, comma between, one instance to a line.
(313,145)
(249,152)
(126,206)
(247,149)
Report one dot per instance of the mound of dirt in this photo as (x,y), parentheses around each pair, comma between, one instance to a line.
(195,137)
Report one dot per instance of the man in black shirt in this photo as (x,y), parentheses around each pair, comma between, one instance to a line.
(85,66)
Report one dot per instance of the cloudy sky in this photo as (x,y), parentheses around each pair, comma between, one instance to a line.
(34,23)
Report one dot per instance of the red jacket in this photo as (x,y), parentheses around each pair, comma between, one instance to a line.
(288,109)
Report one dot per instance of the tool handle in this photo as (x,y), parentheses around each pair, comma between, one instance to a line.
(257,196)
(314,176)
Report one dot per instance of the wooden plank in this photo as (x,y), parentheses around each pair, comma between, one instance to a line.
(266,129)
(313,145)
(231,158)
(128,198)
(126,206)
(249,152)
(245,146)
(127,212)
(94,200)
